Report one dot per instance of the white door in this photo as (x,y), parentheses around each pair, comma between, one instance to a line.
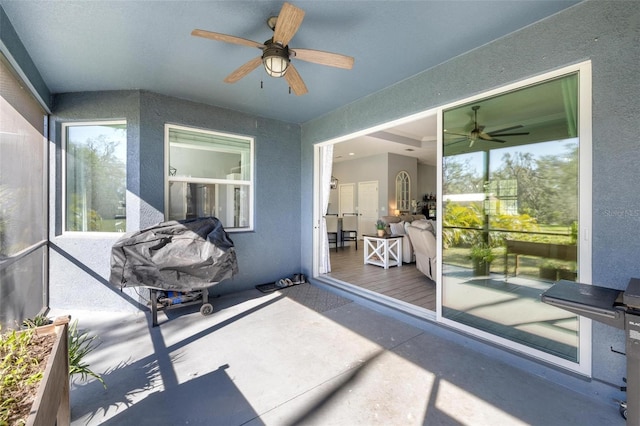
(367,207)
(346,198)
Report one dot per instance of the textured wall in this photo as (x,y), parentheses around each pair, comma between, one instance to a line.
(80,264)
(605,32)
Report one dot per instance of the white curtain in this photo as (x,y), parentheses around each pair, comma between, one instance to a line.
(326,164)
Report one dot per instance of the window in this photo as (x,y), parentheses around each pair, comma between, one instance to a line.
(209,174)
(96,176)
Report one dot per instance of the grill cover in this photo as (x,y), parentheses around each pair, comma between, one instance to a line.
(176,255)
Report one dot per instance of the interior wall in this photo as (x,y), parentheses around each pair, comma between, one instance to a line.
(80,264)
(427,180)
(372,168)
(382,168)
(604,32)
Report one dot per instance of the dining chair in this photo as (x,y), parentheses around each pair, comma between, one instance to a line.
(332,229)
(349,228)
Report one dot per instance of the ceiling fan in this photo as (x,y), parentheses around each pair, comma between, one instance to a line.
(478,131)
(276,53)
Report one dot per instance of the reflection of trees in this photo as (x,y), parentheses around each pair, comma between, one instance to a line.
(547,186)
(459,177)
(99,182)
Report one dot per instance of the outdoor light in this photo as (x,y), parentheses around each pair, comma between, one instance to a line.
(275,59)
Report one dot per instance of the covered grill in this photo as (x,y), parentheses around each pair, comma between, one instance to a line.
(177,260)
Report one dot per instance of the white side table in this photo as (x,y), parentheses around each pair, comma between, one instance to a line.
(383,251)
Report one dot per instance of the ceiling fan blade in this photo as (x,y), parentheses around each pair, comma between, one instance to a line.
(226,38)
(510,134)
(324,58)
(288,22)
(505,129)
(295,81)
(485,136)
(243,70)
(456,134)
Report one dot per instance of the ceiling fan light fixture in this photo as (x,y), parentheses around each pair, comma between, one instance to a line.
(275,59)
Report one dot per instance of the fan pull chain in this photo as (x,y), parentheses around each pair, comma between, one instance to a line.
(261,84)
(289,89)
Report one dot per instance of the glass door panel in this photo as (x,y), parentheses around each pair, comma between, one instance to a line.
(510,213)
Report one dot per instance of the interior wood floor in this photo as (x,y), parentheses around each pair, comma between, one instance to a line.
(403,283)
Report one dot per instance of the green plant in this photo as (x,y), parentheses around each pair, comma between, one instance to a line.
(37,321)
(80,345)
(573,231)
(482,253)
(20,372)
(381,224)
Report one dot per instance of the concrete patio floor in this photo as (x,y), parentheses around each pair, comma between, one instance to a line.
(304,355)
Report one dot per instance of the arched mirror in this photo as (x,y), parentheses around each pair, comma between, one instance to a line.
(403,185)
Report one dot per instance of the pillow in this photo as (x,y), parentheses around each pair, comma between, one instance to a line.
(406,227)
(397,228)
(423,224)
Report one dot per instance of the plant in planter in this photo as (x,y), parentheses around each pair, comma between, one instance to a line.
(380,226)
(482,255)
(36,365)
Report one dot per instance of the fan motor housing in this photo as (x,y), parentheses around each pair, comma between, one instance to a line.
(275,58)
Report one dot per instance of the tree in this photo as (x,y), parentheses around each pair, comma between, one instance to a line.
(459,176)
(98,182)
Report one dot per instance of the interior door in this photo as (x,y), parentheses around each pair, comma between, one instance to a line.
(346,198)
(367,207)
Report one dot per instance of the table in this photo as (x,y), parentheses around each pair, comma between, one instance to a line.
(383,251)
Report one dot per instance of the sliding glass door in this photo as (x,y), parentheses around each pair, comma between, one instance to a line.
(511,203)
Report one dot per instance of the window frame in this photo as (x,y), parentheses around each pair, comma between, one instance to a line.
(250,183)
(63,189)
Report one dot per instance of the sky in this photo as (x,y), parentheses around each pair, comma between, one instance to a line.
(554,148)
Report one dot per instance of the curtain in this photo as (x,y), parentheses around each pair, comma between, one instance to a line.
(326,164)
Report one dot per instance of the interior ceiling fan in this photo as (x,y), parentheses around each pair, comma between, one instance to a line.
(478,131)
(276,53)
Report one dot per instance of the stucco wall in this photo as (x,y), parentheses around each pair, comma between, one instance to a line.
(80,264)
(605,32)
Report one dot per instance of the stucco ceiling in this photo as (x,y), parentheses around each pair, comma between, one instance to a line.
(113,45)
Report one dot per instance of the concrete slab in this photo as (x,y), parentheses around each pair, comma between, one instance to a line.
(305,356)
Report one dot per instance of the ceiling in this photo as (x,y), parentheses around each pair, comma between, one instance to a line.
(147,45)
